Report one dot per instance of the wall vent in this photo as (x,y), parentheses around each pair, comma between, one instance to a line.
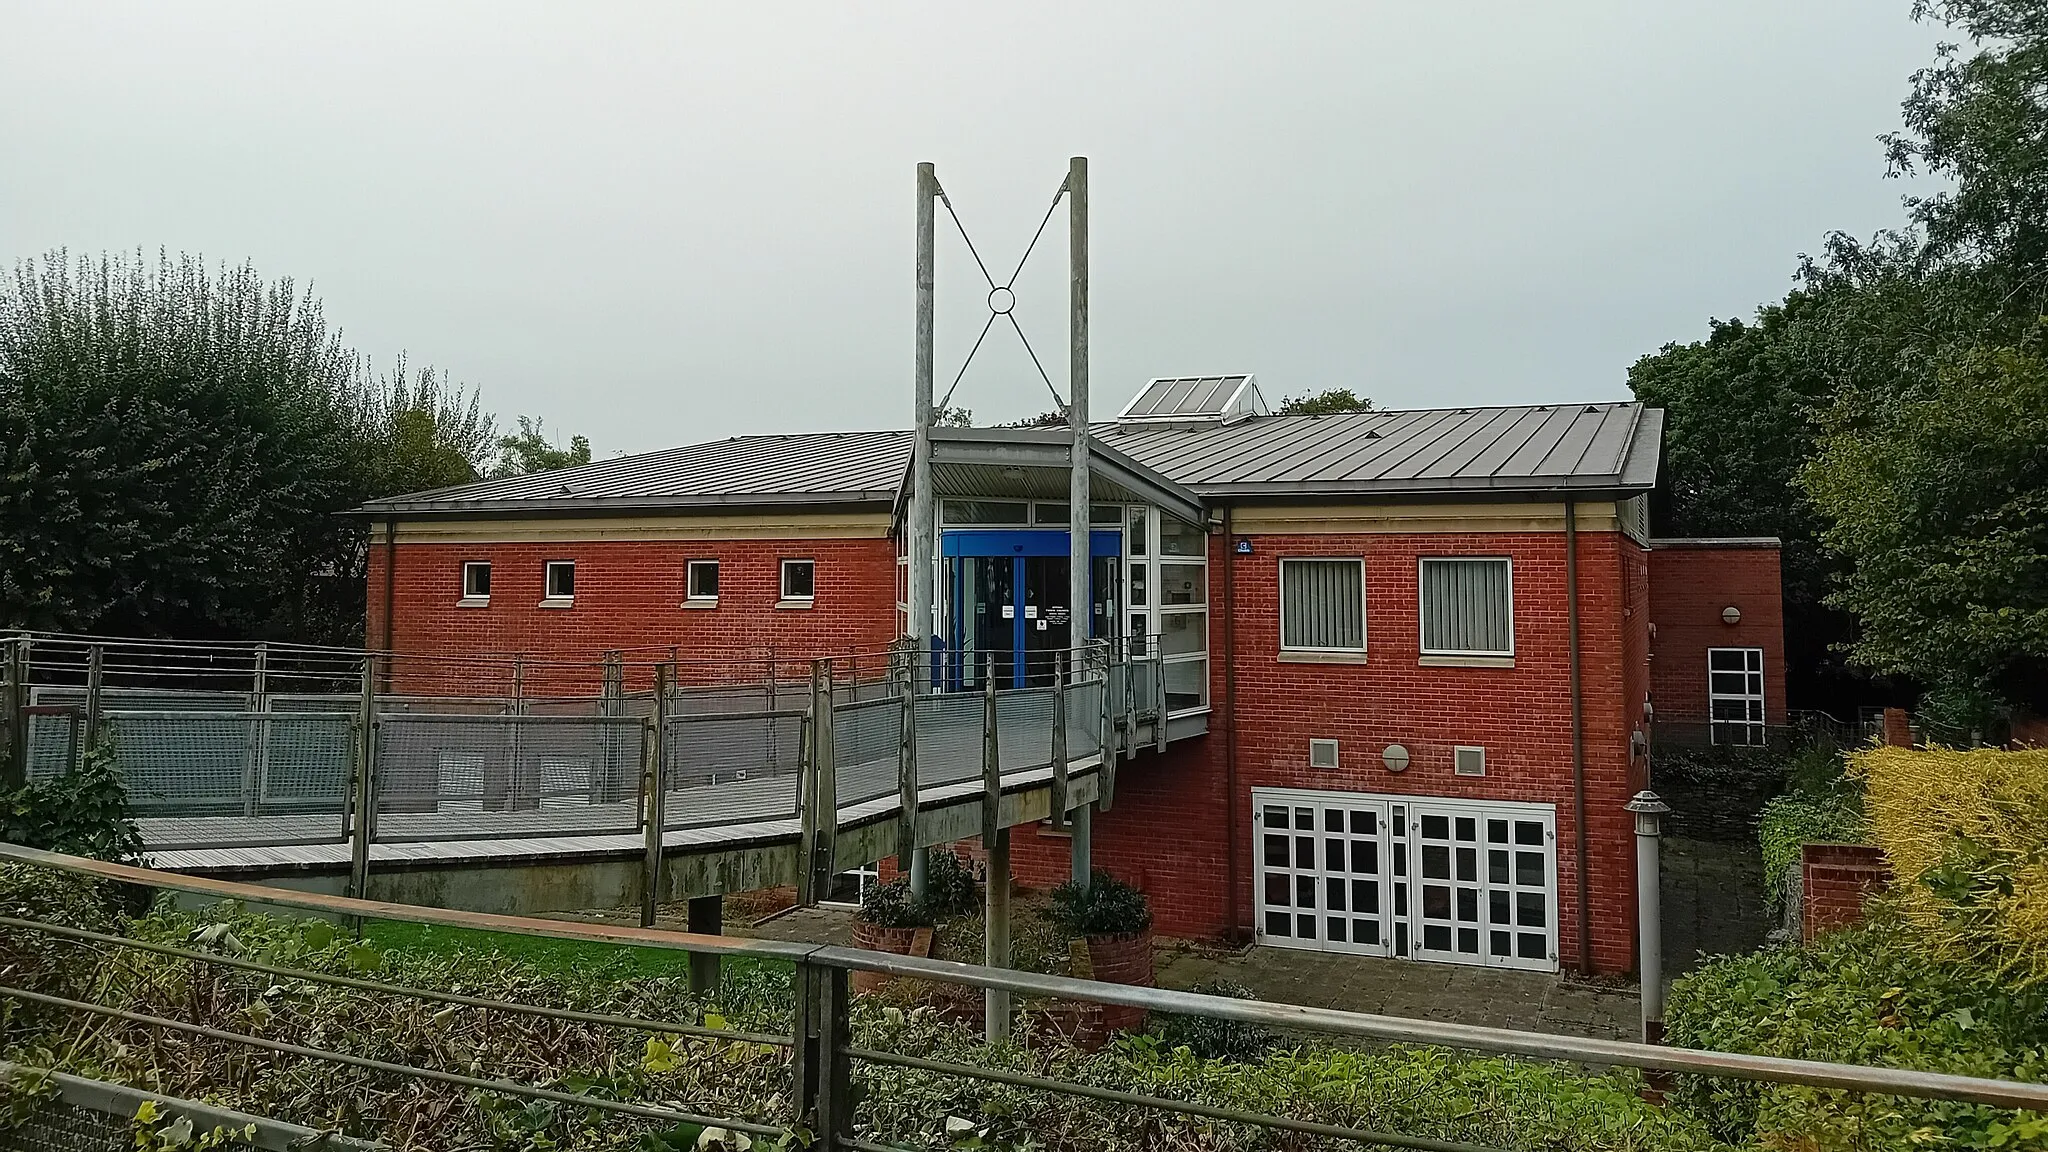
(1468,761)
(1322,754)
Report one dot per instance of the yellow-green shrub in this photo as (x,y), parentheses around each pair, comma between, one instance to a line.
(1967,836)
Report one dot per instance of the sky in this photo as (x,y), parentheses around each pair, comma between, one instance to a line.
(661,223)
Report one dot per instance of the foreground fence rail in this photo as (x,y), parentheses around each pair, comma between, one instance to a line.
(816,1105)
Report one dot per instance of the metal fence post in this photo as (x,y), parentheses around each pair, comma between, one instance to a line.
(821,1073)
(1059,740)
(654,796)
(1650,810)
(95,675)
(612,703)
(363,803)
(819,828)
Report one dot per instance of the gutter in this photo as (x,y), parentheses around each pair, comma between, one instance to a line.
(1233,911)
(1571,592)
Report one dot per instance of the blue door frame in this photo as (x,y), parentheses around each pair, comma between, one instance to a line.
(1018,544)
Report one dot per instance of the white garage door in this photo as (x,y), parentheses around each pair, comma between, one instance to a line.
(1464,881)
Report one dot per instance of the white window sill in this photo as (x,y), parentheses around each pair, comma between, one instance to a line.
(803,603)
(474,602)
(559,602)
(702,602)
(1292,657)
(1429,661)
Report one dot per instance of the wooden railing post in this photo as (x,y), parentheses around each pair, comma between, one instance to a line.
(95,674)
(819,827)
(821,1073)
(654,796)
(363,796)
(1059,740)
(906,759)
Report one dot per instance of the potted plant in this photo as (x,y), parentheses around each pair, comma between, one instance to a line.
(1116,921)
(889,921)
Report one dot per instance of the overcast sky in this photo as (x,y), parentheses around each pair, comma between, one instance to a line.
(658,223)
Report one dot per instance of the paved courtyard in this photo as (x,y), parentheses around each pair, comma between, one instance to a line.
(1713,903)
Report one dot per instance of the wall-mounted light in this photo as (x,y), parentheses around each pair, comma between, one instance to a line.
(1395,758)
(1731,615)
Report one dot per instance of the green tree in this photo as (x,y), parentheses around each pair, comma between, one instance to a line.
(176,445)
(1938,497)
(1327,403)
(953,416)
(529,450)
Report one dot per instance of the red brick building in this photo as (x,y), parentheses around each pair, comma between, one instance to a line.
(1407,656)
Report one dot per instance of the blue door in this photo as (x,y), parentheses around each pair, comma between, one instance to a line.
(1007,610)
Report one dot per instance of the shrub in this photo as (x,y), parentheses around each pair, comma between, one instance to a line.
(1803,818)
(40,962)
(1868,995)
(1967,837)
(83,812)
(949,887)
(1212,1039)
(1109,907)
(892,906)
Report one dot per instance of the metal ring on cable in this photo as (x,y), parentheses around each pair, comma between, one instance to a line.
(1001,300)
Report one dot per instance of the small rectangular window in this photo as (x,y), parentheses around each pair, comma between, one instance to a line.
(703,580)
(1735,695)
(799,579)
(561,579)
(1467,607)
(1322,605)
(476,580)
(1180,538)
(984,511)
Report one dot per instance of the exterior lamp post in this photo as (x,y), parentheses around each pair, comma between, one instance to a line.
(1649,810)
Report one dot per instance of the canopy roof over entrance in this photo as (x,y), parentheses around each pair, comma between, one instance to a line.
(1028,463)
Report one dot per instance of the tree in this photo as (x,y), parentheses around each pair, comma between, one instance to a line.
(1938,497)
(1056,418)
(528,451)
(1333,402)
(177,445)
(952,416)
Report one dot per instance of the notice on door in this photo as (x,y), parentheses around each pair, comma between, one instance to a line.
(1009,611)
(1031,611)
(1056,614)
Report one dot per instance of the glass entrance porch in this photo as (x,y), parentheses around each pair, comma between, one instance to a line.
(1005,595)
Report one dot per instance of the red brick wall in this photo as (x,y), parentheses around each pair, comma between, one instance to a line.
(1689,587)
(1834,880)
(629,594)
(1167,829)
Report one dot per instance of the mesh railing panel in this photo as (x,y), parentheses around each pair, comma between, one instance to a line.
(731,699)
(948,738)
(53,743)
(219,779)
(58,1126)
(730,768)
(1024,728)
(452,777)
(867,742)
(1084,718)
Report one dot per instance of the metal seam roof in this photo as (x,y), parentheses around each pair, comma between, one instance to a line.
(1401,452)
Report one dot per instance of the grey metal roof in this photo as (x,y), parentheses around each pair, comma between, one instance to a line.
(804,468)
(1611,446)
(1533,448)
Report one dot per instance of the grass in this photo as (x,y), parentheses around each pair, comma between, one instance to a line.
(589,959)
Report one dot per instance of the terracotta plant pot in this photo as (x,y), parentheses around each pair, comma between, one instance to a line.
(875,938)
(1125,958)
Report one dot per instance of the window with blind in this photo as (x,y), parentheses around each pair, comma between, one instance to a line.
(1322,605)
(1467,607)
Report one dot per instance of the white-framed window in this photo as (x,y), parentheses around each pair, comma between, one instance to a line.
(1322,604)
(799,581)
(1180,564)
(701,581)
(1468,606)
(476,579)
(561,580)
(1735,695)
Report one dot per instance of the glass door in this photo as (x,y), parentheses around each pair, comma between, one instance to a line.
(984,597)
(1047,623)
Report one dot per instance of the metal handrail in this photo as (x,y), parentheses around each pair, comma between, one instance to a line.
(1888,1081)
